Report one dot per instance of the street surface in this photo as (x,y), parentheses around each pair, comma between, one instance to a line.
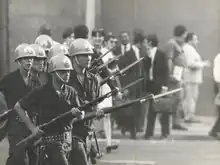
(193,147)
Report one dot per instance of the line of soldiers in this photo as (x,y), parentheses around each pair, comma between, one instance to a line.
(53,79)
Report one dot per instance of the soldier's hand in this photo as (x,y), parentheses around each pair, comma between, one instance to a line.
(126,92)
(99,113)
(119,95)
(37,131)
(77,113)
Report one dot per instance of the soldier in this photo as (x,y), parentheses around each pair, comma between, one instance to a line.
(13,86)
(63,98)
(87,86)
(46,42)
(37,75)
(56,50)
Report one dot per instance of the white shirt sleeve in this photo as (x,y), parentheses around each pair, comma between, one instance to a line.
(107,102)
(216,68)
(192,57)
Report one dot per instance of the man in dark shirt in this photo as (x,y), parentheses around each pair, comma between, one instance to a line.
(87,87)
(13,86)
(176,64)
(63,98)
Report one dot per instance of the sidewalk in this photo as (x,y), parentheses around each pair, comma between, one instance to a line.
(190,147)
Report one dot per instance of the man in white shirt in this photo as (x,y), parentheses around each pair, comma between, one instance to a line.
(192,76)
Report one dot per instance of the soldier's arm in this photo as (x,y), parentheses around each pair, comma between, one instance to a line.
(21,113)
(28,103)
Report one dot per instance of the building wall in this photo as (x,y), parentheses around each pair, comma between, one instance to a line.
(156,16)
(26,16)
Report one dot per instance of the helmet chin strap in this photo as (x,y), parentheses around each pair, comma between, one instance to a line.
(77,61)
(22,67)
(60,77)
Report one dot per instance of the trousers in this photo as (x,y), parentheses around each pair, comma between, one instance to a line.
(17,155)
(57,153)
(78,154)
(178,97)
(191,92)
(164,122)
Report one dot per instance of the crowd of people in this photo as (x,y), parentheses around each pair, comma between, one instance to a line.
(54,78)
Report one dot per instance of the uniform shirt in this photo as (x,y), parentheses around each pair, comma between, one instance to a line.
(36,79)
(46,102)
(216,68)
(13,87)
(87,91)
(193,71)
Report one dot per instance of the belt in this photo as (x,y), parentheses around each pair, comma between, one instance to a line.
(64,137)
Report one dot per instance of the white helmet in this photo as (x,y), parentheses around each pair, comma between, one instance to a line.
(24,50)
(45,41)
(40,53)
(80,46)
(57,49)
(59,62)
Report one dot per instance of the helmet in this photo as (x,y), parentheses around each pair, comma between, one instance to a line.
(24,50)
(40,53)
(60,62)
(57,49)
(44,41)
(80,46)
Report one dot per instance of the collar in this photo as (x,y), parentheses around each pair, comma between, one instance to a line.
(87,74)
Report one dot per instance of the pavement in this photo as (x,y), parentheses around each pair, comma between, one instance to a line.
(192,147)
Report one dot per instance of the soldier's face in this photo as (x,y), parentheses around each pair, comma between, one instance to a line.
(26,63)
(38,65)
(84,60)
(63,75)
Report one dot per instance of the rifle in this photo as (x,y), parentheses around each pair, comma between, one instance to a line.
(128,103)
(92,103)
(95,61)
(5,114)
(105,64)
(120,72)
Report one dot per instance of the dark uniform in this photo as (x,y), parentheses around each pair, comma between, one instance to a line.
(48,104)
(87,91)
(13,87)
(35,80)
